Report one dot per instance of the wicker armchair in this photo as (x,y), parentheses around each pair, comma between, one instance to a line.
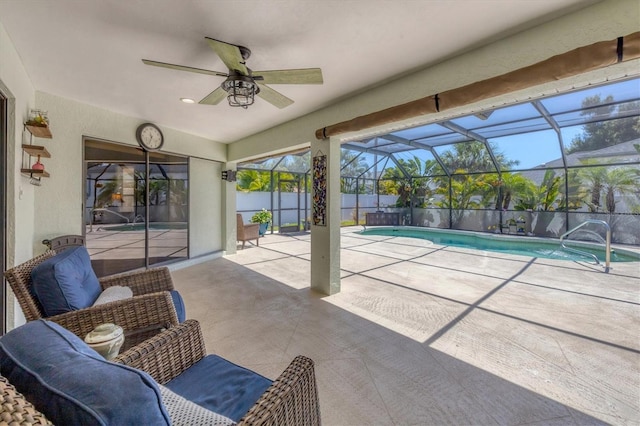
(149,311)
(247,232)
(291,400)
(15,409)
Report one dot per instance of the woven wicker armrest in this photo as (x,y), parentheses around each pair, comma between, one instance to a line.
(291,400)
(168,353)
(15,409)
(141,282)
(134,314)
(19,277)
(251,226)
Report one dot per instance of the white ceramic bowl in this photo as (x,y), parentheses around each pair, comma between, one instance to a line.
(106,339)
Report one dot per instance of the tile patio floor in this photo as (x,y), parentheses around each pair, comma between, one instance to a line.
(423,334)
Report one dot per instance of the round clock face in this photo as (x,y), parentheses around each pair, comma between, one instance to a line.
(149,137)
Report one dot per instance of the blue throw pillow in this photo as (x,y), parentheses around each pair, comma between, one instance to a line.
(65,282)
(220,386)
(71,384)
(179,305)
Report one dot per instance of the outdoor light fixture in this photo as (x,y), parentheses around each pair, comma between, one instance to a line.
(241,90)
(229,175)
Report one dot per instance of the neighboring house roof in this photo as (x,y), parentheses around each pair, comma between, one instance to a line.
(625,152)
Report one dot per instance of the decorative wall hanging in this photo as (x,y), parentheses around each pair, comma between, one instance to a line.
(320,189)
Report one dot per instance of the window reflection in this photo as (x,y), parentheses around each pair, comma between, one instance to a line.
(116,216)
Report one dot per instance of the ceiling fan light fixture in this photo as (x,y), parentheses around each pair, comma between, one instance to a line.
(241,90)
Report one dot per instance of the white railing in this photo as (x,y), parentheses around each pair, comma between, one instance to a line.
(606,242)
(104,210)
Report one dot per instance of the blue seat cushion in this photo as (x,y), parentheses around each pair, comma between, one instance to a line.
(220,386)
(65,282)
(71,384)
(179,304)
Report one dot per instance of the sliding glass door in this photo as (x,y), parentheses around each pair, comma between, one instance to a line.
(168,208)
(136,207)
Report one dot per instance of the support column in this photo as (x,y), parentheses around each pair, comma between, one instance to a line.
(325,216)
(229,237)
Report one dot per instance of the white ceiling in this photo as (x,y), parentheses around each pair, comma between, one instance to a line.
(91,51)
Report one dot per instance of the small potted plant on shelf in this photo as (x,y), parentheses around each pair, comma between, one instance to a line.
(38,118)
(263,217)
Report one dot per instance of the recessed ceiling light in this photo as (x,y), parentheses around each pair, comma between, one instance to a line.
(188,100)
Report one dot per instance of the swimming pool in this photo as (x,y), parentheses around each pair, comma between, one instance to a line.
(520,245)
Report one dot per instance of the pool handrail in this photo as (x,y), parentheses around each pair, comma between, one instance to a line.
(103,210)
(584,253)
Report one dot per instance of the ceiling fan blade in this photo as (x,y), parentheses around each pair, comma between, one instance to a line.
(299,76)
(184,68)
(274,97)
(230,55)
(214,97)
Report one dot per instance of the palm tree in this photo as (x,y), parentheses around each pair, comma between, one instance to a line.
(592,179)
(158,192)
(573,199)
(253,180)
(620,181)
(545,197)
(179,199)
(473,157)
(352,165)
(106,193)
(465,189)
(509,185)
(415,185)
(598,181)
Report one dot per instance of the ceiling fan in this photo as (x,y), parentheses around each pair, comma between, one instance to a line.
(242,84)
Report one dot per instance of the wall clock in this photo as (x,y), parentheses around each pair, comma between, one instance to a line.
(149,137)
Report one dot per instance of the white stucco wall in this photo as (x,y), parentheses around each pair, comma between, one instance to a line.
(603,21)
(16,85)
(205,209)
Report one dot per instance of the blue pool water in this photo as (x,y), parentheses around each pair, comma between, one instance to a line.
(520,245)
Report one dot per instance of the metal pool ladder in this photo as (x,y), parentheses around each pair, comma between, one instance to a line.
(607,242)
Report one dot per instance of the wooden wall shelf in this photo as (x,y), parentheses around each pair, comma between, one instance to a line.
(34,173)
(39,131)
(35,150)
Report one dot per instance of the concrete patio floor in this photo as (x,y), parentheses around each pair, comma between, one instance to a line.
(423,334)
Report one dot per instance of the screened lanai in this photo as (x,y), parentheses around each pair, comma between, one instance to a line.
(548,163)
